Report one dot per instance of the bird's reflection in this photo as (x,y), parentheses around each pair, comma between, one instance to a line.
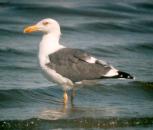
(59,113)
(53,114)
(63,111)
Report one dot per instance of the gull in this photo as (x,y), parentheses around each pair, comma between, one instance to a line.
(65,66)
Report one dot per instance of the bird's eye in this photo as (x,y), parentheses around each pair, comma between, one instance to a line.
(45,23)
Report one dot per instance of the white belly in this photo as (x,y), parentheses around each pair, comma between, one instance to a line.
(53,76)
(47,46)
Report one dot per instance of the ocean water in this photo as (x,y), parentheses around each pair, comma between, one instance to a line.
(117,31)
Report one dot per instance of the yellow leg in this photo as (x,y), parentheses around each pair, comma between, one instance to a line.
(65,98)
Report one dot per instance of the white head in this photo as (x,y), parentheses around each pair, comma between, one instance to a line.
(47,26)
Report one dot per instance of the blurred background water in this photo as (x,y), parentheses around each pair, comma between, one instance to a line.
(118,31)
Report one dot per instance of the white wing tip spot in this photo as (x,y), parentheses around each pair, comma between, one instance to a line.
(91,60)
(112,72)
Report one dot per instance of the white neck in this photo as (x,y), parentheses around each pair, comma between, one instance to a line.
(48,45)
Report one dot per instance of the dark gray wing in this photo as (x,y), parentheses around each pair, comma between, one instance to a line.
(74,64)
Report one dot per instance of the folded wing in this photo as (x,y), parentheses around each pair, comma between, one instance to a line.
(78,65)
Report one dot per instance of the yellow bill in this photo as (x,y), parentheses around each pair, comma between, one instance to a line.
(30,29)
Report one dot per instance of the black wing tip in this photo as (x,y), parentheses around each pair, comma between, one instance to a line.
(124,75)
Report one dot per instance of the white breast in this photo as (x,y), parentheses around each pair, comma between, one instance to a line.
(48,46)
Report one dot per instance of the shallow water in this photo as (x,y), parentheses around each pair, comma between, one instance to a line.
(117,31)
